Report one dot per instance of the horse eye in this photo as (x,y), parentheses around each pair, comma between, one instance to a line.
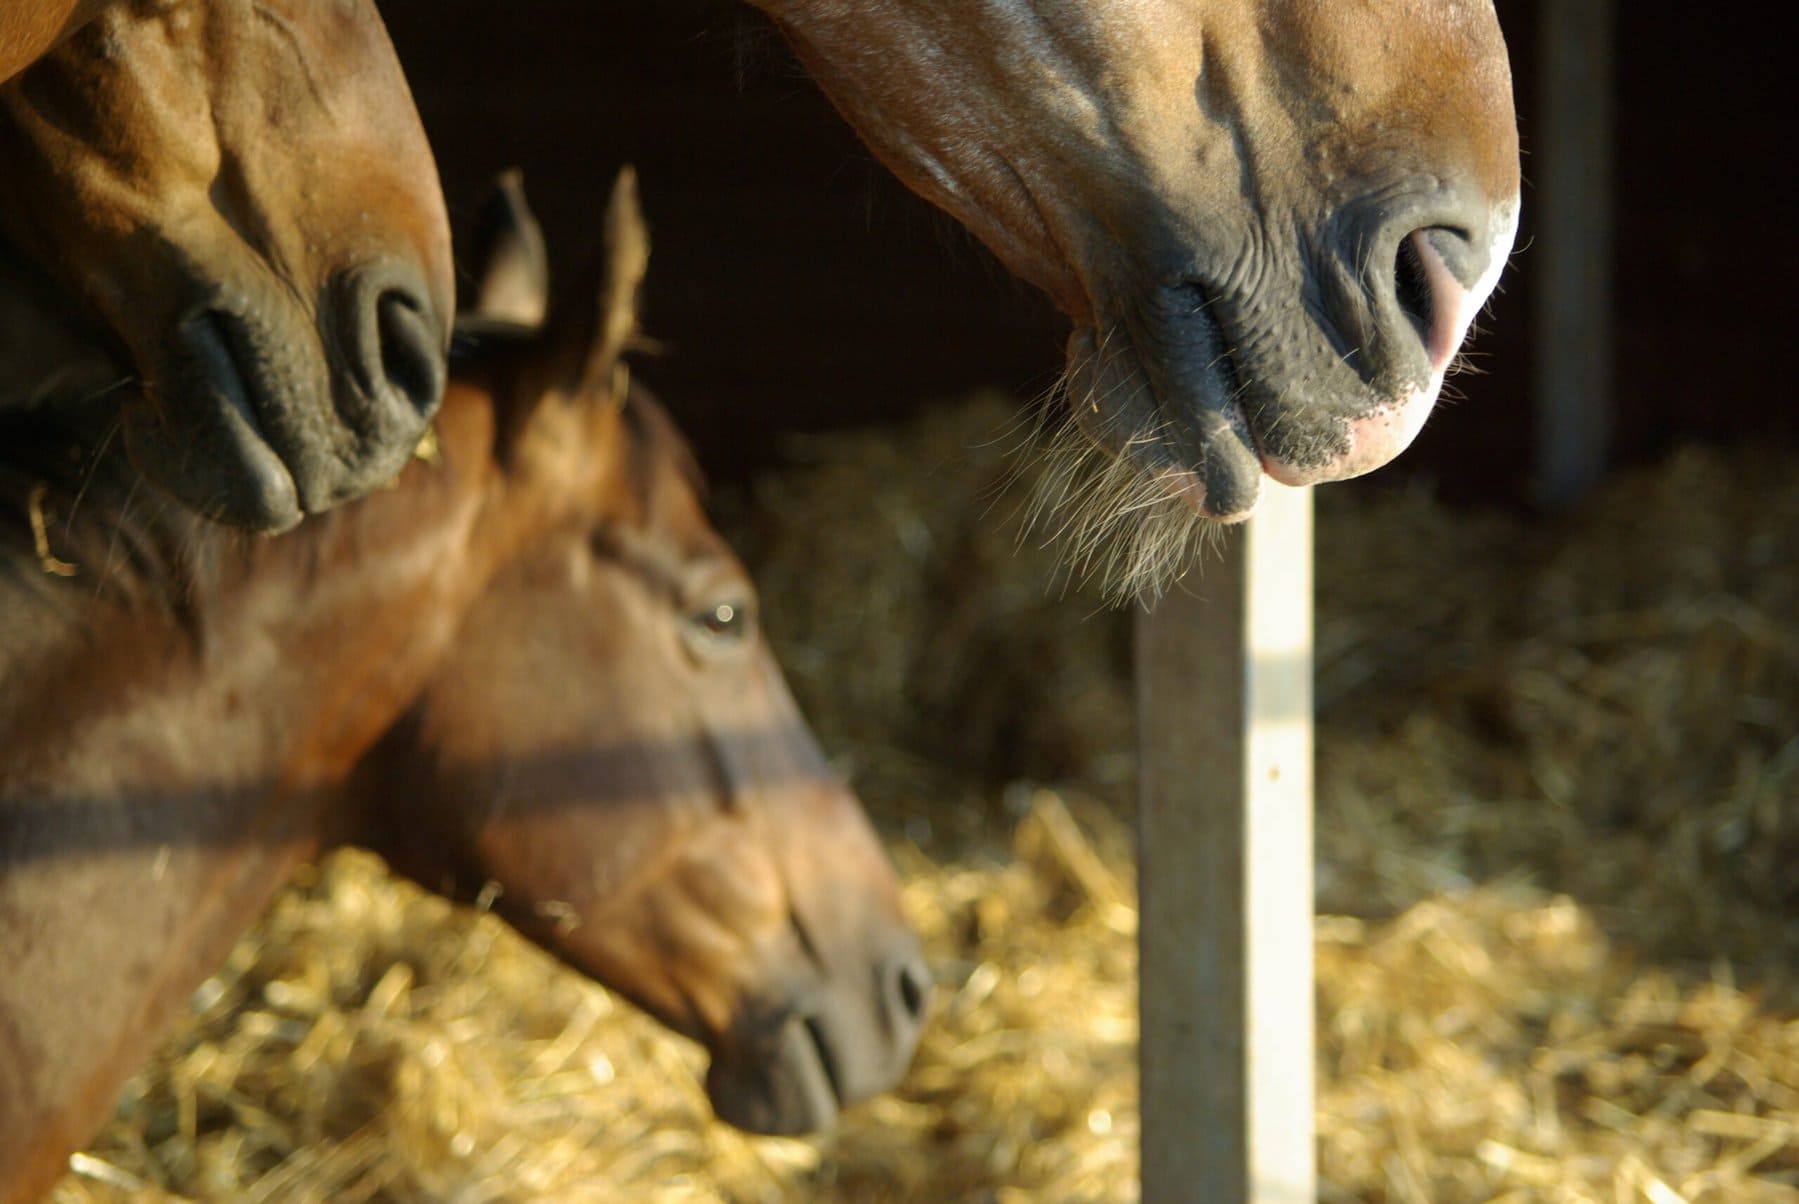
(725,621)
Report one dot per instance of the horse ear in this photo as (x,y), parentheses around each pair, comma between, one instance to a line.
(627,259)
(592,325)
(509,263)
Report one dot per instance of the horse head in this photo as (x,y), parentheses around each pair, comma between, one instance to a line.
(239,198)
(1271,221)
(609,749)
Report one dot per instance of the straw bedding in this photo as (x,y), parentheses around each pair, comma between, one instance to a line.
(1558,771)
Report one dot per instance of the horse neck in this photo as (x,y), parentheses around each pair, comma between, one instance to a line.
(262,653)
(162,773)
(219,664)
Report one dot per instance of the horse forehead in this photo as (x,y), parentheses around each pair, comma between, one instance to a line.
(174,71)
(1459,44)
(309,27)
(1052,25)
(680,524)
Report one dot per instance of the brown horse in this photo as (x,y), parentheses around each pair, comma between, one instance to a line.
(29,28)
(239,196)
(1271,221)
(532,666)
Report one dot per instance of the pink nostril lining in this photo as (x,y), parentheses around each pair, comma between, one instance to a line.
(1374,437)
(1378,437)
(1449,316)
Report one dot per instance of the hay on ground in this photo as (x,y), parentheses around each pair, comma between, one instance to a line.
(1558,767)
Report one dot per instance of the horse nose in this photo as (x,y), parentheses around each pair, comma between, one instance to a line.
(840,1050)
(1430,257)
(905,994)
(1411,275)
(397,346)
(388,345)
(411,363)
(838,1044)
(1431,293)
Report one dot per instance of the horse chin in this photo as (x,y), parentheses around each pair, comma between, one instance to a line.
(1177,426)
(1171,427)
(1129,492)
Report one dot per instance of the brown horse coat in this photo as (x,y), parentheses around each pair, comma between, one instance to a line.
(237,199)
(561,657)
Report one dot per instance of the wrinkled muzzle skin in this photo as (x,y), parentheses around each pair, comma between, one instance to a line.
(1271,221)
(240,196)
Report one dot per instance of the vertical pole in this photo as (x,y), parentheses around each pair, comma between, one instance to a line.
(1224,695)
(1572,253)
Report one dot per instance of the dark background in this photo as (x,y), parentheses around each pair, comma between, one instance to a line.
(801,288)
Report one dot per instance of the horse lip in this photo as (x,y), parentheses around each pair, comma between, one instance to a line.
(208,363)
(1209,456)
(784,1087)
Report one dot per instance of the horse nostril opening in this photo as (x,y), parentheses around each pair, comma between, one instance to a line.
(1412,287)
(912,988)
(410,360)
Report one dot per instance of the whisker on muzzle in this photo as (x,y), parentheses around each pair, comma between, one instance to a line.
(1114,523)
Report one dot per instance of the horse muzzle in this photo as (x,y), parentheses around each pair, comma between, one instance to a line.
(792,1070)
(254,414)
(1318,373)
(1409,278)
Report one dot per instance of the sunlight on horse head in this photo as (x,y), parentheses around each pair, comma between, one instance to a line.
(1271,222)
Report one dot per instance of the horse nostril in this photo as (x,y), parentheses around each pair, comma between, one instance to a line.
(908,990)
(394,345)
(411,362)
(1412,287)
(1410,256)
(1431,268)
